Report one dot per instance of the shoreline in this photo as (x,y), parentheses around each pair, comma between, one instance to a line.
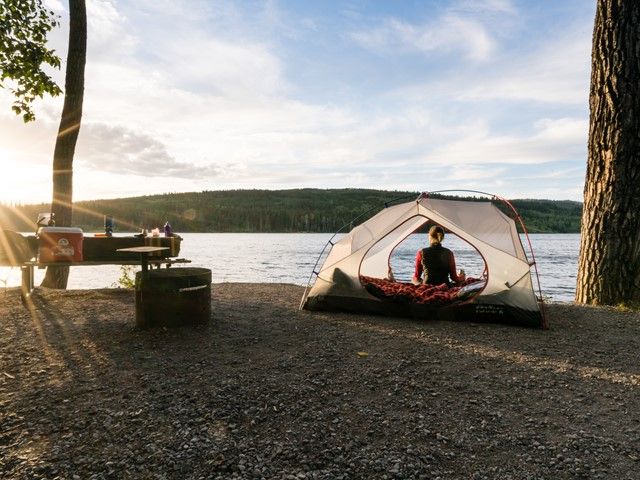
(214,282)
(267,391)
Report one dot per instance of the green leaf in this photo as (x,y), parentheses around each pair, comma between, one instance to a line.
(24,25)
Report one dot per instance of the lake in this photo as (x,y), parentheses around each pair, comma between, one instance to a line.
(290,257)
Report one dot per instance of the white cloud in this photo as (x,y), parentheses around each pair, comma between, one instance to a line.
(555,173)
(109,33)
(556,73)
(180,47)
(117,149)
(553,140)
(176,104)
(277,19)
(24,143)
(463,173)
(499,6)
(448,34)
(221,68)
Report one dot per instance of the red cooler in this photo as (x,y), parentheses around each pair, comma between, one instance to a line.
(60,244)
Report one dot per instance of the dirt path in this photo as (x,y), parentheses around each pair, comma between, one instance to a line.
(268,392)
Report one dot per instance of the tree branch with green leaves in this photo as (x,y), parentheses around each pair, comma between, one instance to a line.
(24,55)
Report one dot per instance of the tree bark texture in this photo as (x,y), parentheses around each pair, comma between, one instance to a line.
(68,131)
(609,265)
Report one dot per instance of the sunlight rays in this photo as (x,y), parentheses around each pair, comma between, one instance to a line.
(17,212)
(21,217)
(76,349)
(76,208)
(6,251)
(36,322)
(100,215)
(63,171)
(70,129)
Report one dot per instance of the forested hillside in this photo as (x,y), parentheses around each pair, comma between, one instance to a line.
(302,210)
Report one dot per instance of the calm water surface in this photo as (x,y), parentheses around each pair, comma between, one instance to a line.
(289,258)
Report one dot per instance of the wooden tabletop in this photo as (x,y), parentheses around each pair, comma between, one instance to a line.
(147,249)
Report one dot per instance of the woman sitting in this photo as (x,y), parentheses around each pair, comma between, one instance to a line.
(435,264)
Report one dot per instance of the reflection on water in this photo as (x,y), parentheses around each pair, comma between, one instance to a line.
(289,258)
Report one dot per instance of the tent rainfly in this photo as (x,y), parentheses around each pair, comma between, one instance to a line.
(355,274)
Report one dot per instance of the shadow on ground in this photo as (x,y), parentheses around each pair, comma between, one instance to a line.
(267,391)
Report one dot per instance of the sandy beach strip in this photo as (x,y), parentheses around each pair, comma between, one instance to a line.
(267,391)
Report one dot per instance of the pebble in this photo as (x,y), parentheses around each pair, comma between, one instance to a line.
(295,404)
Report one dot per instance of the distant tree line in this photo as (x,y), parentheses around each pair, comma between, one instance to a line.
(264,211)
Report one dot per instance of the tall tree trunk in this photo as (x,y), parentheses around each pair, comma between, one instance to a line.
(609,266)
(56,277)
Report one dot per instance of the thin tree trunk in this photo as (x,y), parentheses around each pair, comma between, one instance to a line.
(56,277)
(609,266)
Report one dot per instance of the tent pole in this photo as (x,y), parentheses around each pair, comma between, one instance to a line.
(543,307)
(330,241)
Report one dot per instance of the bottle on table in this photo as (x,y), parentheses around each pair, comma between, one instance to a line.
(168,231)
(108,225)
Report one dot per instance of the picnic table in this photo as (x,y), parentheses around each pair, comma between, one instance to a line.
(144,255)
(27,268)
(21,251)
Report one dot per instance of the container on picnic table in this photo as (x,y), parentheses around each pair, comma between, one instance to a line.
(60,244)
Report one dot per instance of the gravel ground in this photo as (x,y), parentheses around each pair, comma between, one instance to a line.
(266,391)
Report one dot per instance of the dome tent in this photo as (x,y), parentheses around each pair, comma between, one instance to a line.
(354,274)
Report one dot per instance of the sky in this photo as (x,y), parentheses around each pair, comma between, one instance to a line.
(488,95)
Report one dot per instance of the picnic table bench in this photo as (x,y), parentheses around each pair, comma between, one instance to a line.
(27,268)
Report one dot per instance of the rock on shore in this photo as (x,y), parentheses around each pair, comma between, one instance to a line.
(267,391)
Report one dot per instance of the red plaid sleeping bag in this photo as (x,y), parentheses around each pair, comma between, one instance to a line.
(409,293)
